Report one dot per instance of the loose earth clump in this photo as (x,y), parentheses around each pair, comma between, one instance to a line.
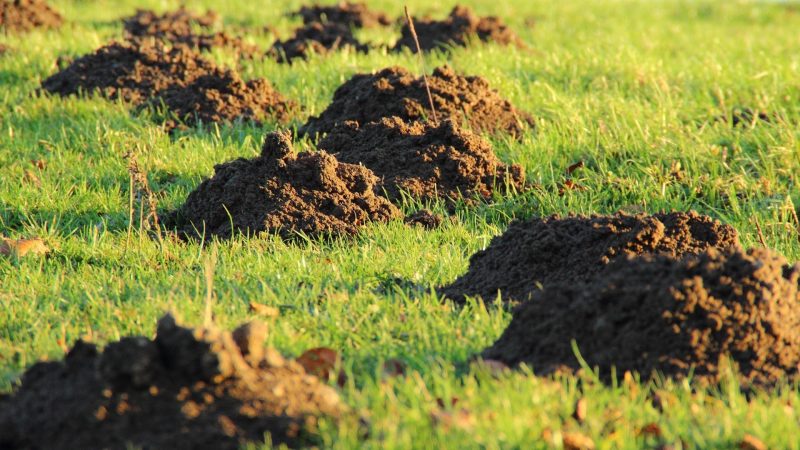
(667,315)
(180,27)
(540,252)
(286,193)
(18,16)
(424,160)
(345,13)
(458,29)
(187,388)
(316,37)
(425,219)
(397,92)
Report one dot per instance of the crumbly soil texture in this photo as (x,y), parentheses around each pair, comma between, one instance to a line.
(193,89)
(183,26)
(397,92)
(316,38)
(424,160)
(676,317)
(19,16)
(540,252)
(458,29)
(349,14)
(286,193)
(187,388)
(424,218)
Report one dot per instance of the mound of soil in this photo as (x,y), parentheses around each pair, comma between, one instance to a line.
(17,16)
(187,388)
(425,219)
(458,29)
(316,37)
(284,192)
(180,27)
(397,92)
(425,160)
(668,315)
(541,252)
(346,13)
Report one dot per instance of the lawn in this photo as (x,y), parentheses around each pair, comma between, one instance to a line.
(634,89)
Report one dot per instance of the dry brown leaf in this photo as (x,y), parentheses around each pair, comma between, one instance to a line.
(319,361)
(577,441)
(651,429)
(22,247)
(580,410)
(750,442)
(264,310)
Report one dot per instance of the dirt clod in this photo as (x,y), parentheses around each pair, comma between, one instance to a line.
(540,252)
(316,37)
(284,192)
(187,388)
(461,26)
(425,219)
(346,13)
(397,92)
(427,161)
(673,316)
(19,16)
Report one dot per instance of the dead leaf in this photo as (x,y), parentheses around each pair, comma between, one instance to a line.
(264,310)
(22,247)
(39,163)
(750,442)
(577,441)
(569,185)
(572,168)
(580,410)
(651,429)
(319,361)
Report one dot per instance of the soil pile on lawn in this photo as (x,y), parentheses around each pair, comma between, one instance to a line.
(461,26)
(181,27)
(187,388)
(316,37)
(346,13)
(425,219)
(17,16)
(545,251)
(284,192)
(658,313)
(397,92)
(426,161)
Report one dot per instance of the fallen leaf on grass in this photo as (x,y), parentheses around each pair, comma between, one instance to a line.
(572,168)
(569,185)
(750,442)
(577,441)
(651,429)
(321,362)
(22,247)
(580,410)
(264,310)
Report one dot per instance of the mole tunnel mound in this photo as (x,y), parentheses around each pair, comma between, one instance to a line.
(672,316)
(543,251)
(349,14)
(286,193)
(19,16)
(187,388)
(396,92)
(316,37)
(424,160)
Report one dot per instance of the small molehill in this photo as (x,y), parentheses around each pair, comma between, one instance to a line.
(540,252)
(424,218)
(397,92)
(672,316)
(345,13)
(458,29)
(18,16)
(187,388)
(284,192)
(427,161)
(316,37)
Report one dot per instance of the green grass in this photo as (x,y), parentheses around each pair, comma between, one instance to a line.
(630,88)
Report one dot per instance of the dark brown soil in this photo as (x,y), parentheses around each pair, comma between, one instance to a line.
(346,13)
(284,192)
(181,27)
(424,160)
(425,219)
(397,92)
(458,29)
(658,313)
(187,388)
(316,37)
(18,16)
(541,252)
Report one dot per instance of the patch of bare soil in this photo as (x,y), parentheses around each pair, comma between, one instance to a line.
(284,192)
(346,13)
(540,252)
(397,92)
(316,37)
(425,219)
(666,315)
(181,27)
(19,16)
(427,161)
(187,388)
(458,29)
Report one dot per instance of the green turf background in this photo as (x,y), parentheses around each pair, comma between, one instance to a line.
(632,89)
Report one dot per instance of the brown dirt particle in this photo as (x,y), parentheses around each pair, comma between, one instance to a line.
(425,219)
(346,13)
(19,16)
